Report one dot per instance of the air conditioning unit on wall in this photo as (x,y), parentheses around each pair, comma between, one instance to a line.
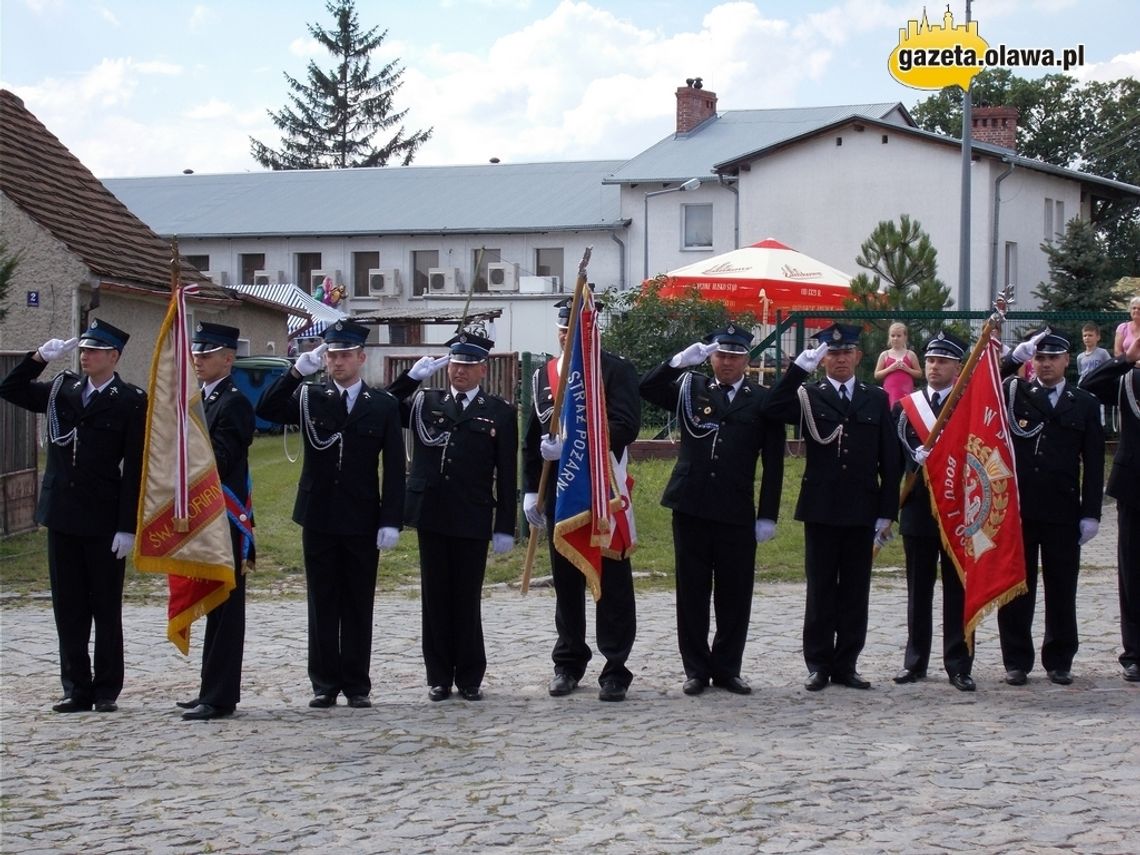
(538,284)
(502,276)
(218,277)
(443,280)
(267,277)
(384,282)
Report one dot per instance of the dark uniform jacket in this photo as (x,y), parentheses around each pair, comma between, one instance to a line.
(623,415)
(851,482)
(715,474)
(230,421)
(916,518)
(1111,381)
(1049,482)
(465,485)
(84,490)
(340,488)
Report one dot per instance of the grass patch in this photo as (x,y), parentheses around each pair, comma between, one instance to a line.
(23,558)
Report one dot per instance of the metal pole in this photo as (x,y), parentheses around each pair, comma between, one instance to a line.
(964,232)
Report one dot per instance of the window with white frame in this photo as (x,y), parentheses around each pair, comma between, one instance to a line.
(1048,220)
(1010,269)
(696,226)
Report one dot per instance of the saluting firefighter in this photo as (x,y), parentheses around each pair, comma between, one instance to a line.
(88,502)
(230,421)
(616,611)
(461,495)
(1058,445)
(350,503)
(915,415)
(850,491)
(716,525)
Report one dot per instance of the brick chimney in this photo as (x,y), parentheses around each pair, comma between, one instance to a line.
(995,125)
(694,105)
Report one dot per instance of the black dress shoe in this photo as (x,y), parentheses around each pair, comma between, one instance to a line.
(963,682)
(322,702)
(205,712)
(439,693)
(1016,677)
(71,705)
(1132,673)
(187,705)
(854,680)
(694,686)
(816,681)
(611,690)
(736,685)
(106,706)
(471,693)
(1061,678)
(562,684)
(909,675)
(359,702)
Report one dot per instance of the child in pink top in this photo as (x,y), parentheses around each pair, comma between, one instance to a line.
(898,367)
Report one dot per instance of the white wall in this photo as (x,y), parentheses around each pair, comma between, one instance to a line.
(666,236)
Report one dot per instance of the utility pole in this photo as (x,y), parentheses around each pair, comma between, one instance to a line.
(964,231)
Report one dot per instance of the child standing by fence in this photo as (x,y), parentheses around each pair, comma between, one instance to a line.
(897,367)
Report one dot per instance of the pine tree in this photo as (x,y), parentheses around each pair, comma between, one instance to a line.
(1082,276)
(336,114)
(904,267)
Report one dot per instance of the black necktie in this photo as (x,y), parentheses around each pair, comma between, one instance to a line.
(89,396)
(1051,396)
(936,402)
(727,389)
(843,394)
(344,401)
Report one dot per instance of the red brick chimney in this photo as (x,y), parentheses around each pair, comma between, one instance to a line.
(694,105)
(995,125)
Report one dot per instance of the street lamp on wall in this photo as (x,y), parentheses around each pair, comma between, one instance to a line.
(691,184)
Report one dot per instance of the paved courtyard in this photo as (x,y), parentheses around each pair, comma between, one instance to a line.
(916,768)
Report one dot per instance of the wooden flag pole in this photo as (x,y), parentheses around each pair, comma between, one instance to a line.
(559,395)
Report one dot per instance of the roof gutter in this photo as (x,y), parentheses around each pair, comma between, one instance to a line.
(997,215)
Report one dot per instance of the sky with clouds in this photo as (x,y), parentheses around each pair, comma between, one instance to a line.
(153,87)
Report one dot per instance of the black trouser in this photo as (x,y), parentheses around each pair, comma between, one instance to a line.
(87,587)
(1128,579)
(451,592)
(340,574)
(923,557)
(716,560)
(616,617)
(224,643)
(837,563)
(1060,557)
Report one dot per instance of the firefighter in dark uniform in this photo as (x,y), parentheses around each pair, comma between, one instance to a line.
(1058,444)
(849,492)
(1117,383)
(922,543)
(230,421)
(461,495)
(616,611)
(716,525)
(88,502)
(346,510)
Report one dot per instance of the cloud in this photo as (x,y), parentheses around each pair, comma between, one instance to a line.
(306,48)
(1122,65)
(108,16)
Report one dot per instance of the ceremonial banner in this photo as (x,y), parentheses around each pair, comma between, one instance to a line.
(183,530)
(973,491)
(584,524)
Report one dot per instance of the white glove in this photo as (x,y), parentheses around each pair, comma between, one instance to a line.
(920,455)
(427,366)
(765,530)
(54,348)
(123,542)
(809,360)
(551,448)
(532,512)
(1027,349)
(502,543)
(387,537)
(692,355)
(311,361)
(1089,528)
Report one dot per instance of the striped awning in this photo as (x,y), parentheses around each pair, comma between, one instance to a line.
(320,315)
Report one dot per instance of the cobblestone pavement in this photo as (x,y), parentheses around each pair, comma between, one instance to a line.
(917,768)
